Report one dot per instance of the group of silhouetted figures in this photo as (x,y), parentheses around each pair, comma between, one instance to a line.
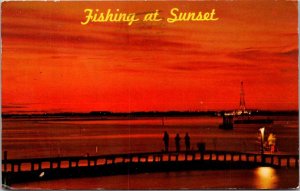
(177,139)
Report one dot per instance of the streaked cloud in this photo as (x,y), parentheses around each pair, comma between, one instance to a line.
(50,58)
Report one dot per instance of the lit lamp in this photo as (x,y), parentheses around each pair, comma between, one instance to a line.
(262,132)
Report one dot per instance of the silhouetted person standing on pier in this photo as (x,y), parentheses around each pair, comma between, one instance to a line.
(166,141)
(177,142)
(187,140)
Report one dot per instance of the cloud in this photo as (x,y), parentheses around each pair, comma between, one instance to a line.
(13,106)
(290,53)
(262,55)
(214,66)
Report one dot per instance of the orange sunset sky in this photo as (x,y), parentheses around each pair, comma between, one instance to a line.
(52,63)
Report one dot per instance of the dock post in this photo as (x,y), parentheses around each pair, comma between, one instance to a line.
(255,158)
(297,162)
(70,164)
(224,156)
(19,167)
(40,165)
(186,156)
(272,160)
(51,165)
(202,156)
(194,157)
(279,161)
(232,157)
(32,166)
(240,157)
(177,157)
(58,164)
(288,162)
(263,159)
(217,156)
(12,167)
(5,161)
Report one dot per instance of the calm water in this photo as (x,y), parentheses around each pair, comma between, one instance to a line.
(77,137)
(259,178)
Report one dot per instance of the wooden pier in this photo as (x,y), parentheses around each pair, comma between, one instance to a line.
(19,170)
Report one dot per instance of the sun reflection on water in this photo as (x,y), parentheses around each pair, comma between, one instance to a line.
(266,178)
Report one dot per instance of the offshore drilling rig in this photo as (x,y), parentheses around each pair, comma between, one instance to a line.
(241,116)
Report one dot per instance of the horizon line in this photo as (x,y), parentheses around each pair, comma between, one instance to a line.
(150,111)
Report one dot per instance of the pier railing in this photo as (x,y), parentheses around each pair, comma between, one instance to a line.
(38,164)
(26,170)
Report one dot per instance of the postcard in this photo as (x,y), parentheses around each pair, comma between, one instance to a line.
(150,95)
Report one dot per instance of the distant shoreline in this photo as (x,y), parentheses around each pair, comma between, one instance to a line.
(150,114)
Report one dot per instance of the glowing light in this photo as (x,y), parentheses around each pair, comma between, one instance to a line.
(262,131)
(265,172)
(42,174)
(266,178)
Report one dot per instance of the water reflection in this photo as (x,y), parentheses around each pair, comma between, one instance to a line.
(266,178)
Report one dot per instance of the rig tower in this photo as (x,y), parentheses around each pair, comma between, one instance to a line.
(242,98)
